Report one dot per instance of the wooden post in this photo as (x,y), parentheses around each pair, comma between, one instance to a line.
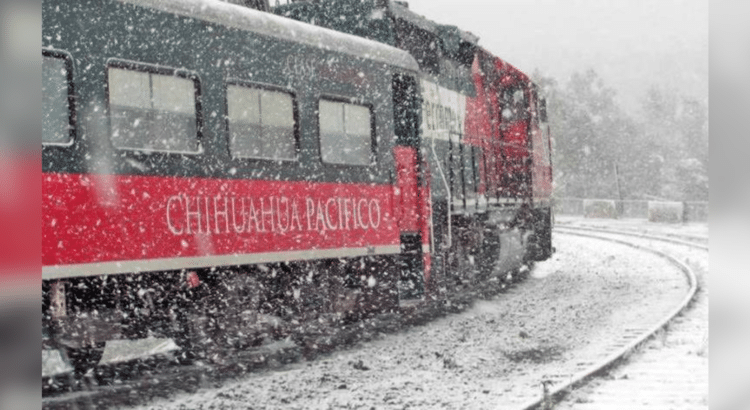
(620,206)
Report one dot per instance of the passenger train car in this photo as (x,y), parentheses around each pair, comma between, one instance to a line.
(208,166)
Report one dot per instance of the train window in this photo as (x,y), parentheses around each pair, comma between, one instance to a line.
(345,133)
(152,111)
(514,105)
(57,90)
(261,123)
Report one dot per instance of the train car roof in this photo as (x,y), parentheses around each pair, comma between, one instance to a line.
(508,73)
(244,18)
(404,13)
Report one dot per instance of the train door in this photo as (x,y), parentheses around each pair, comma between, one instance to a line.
(412,193)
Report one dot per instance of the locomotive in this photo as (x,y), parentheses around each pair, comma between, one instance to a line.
(209,165)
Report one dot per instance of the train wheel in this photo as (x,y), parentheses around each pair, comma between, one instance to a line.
(188,314)
(223,319)
(379,284)
(540,247)
(470,251)
(410,282)
(344,291)
(184,336)
(234,310)
(489,251)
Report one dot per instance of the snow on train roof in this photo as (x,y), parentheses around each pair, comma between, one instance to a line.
(244,18)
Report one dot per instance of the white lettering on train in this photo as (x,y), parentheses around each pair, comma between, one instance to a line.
(443,111)
(188,215)
(170,223)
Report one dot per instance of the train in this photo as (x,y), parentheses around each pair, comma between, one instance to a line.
(212,170)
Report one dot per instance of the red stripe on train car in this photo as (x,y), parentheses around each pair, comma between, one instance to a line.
(106,218)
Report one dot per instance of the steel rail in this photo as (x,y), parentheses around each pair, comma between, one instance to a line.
(556,393)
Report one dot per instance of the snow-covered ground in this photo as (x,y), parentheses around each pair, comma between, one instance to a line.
(493,355)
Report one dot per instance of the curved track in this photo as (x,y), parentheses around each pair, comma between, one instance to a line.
(651,370)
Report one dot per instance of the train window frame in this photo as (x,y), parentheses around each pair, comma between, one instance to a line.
(231,81)
(71,98)
(155,69)
(511,110)
(373,134)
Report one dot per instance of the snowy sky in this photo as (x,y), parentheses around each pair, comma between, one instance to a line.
(630,43)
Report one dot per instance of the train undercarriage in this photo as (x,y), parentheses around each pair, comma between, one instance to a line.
(211,312)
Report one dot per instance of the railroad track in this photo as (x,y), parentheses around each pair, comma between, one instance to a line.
(650,380)
(696,241)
